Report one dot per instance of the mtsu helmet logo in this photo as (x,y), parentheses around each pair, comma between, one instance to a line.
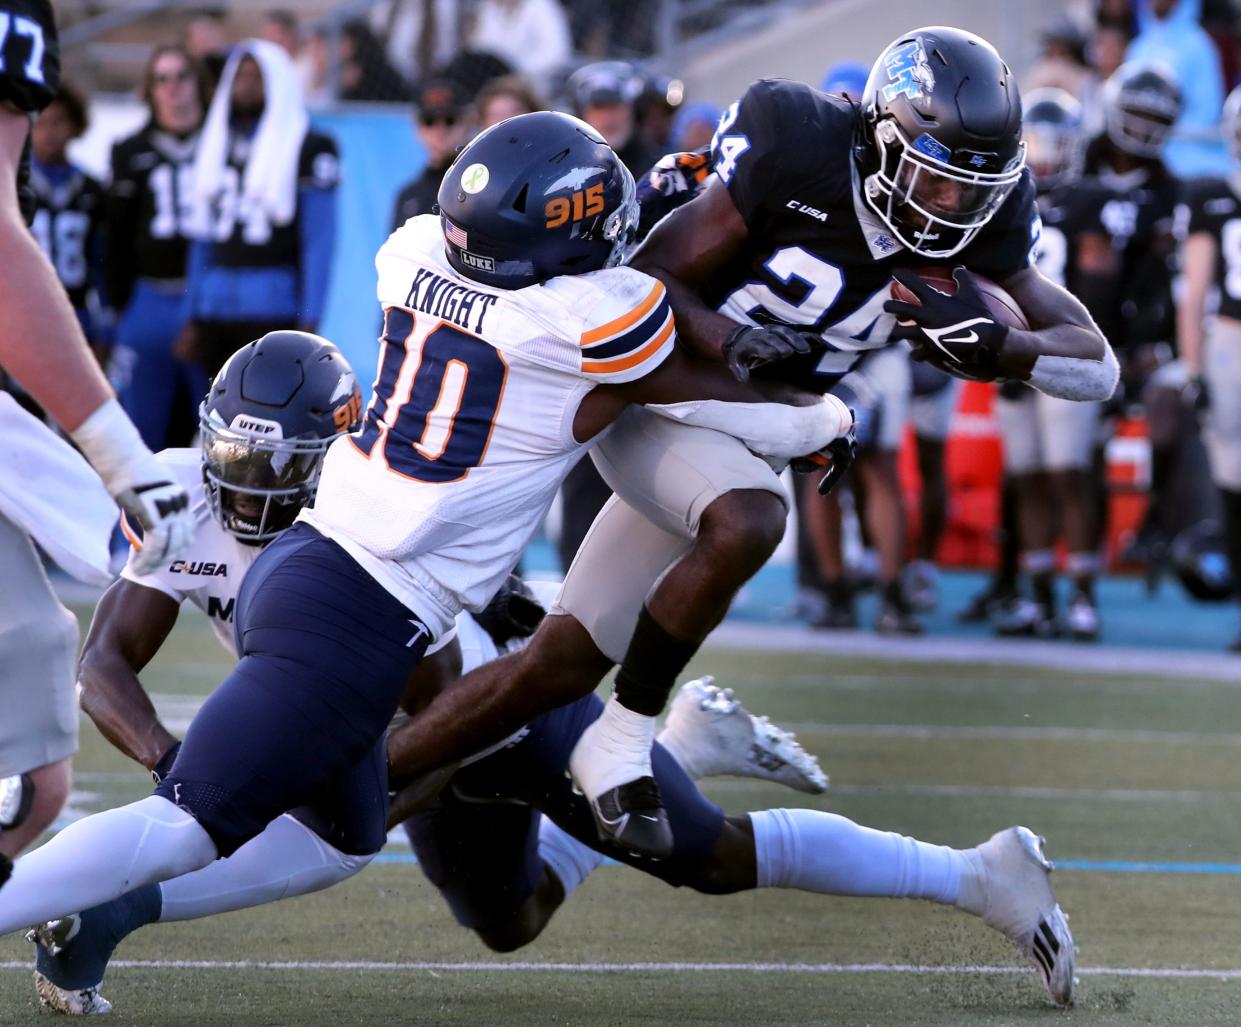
(910,74)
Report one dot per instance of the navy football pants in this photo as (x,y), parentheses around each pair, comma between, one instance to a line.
(325,655)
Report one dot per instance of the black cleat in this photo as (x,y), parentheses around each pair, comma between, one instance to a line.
(632,817)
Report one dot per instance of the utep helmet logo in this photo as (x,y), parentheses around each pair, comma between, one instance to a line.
(909,72)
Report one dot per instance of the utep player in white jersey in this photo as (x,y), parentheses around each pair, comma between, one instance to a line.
(511,341)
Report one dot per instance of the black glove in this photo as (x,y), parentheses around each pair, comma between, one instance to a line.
(954,333)
(751,346)
(164,765)
(513,612)
(1197,394)
(836,457)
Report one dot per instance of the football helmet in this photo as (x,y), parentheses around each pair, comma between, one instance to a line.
(268,418)
(1141,103)
(1052,129)
(1231,124)
(941,147)
(536,196)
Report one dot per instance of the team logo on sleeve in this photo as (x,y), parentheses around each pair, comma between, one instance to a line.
(909,72)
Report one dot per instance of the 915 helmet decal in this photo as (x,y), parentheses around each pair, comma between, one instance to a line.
(943,147)
(268,419)
(536,196)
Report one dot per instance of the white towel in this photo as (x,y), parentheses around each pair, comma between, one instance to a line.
(49,491)
(270,179)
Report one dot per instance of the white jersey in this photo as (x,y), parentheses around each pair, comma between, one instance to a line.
(209,573)
(470,429)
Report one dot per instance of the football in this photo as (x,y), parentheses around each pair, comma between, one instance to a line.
(999,303)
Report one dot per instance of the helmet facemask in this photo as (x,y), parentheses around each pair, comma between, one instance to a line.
(621,226)
(256,485)
(1052,153)
(1140,122)
(932,207)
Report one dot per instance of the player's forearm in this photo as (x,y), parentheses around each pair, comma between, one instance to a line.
(701,329)
(1189,334)
(112,696)
(1066,361)
(41,343)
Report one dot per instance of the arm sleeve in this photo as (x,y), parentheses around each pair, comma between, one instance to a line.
(629,335)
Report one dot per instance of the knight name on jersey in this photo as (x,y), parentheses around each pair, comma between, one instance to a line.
(207,570)
(440,298)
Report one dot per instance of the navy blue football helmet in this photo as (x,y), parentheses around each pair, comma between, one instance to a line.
(942,147)
(268,418)
(536,196)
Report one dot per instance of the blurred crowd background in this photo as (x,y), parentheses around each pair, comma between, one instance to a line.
(324,124)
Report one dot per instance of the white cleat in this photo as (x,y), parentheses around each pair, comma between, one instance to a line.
(1010,889)
(83,1002)
(710,733)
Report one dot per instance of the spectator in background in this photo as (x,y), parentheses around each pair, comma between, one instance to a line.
(207,40)
(656,109)
(265,204)
(442,130)
(315,68)
(603,95)
(530,35)
(418,35)
(1169,33)
(69,212)
(280,27)
(149,224)
(506,97)
(694,126)
(365,74)
(1062,62)
(604,28)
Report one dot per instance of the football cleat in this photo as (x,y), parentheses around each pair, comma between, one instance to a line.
(632,816)
(1009,888)
(710,734)
(79,1002)
(1024,618)
(897,618)
(614,773)
(1082,618)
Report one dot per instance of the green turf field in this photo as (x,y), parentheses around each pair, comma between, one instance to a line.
(1108,768)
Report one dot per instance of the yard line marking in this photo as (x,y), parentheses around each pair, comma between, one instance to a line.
(996,731)
(523,967)
(1082,865)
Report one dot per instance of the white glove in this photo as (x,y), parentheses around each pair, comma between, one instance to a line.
(141,485)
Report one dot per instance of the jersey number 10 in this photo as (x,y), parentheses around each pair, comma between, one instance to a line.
(435,400)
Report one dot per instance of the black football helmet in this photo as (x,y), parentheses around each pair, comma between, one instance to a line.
(268,418)
(1231,124)
(1141,103)
(536,196)
(942,142)
(1052,129)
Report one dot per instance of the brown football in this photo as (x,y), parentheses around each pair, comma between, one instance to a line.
(999,303)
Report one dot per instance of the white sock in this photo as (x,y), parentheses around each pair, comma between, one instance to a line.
(615,749)
(826,853)
(286,860)
(102,857)
(570,860)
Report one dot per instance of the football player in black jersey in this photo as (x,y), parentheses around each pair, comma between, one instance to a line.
(1141,103)
(41,345)
(1209,224)
(1048,442)
(150,211)
(68,220)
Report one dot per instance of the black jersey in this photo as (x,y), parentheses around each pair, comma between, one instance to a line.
(418,196)
(817,257)
(1069,211)
(68,225)
(248,238)
(150,209)
(1138,216)
(31,57)
(1213,205)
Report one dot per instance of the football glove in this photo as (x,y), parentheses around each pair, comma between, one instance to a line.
(836,457)
(140,484)
(954,333)
(751,346)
